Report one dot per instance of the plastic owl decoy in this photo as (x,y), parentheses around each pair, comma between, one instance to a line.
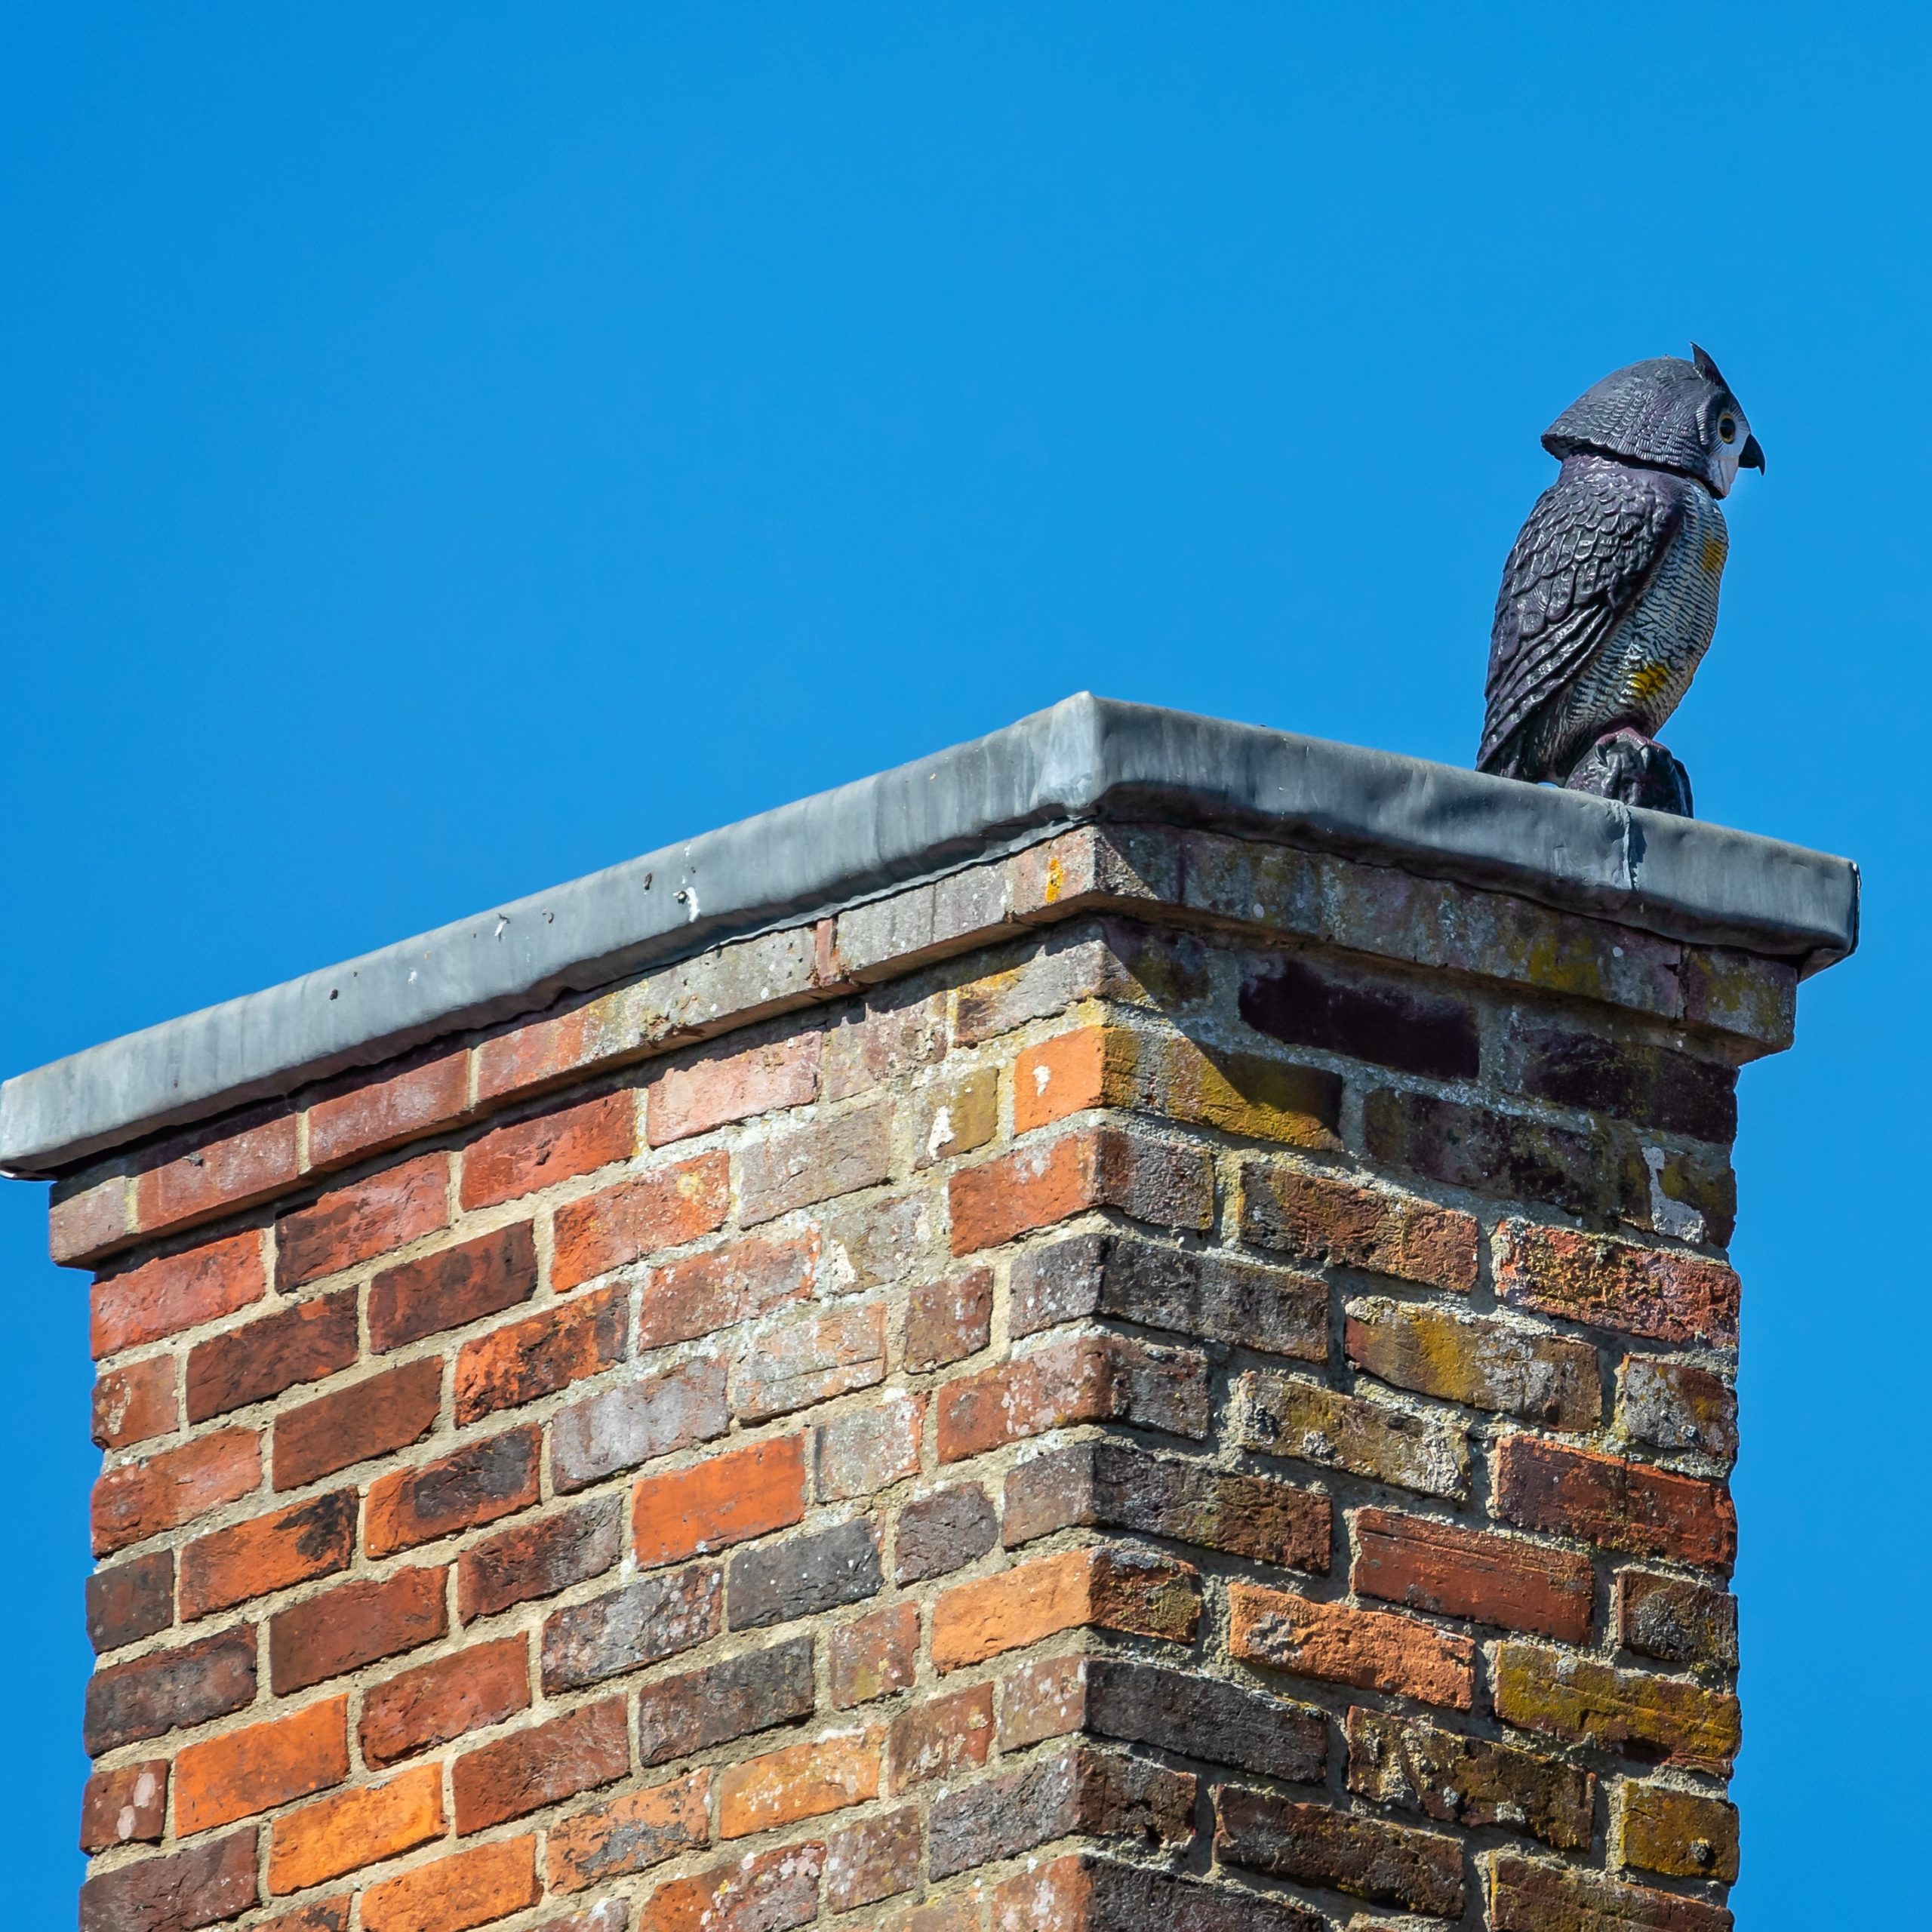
(1609,596)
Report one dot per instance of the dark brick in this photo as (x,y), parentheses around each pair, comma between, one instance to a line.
(204,1886)
(753,1691)
(262,1357)
(455,1285)
(1098,1894)
(480,1482)
(778,1582)
(1655,1087)
(1201,1717)
(1533,1895)
(1676,1621)
(654,1617)
(1393,1025)
(377,1415)
(127,1602)
(352,1625)
(1216,1296)
(948,1320)
(944,1532)
(169,1690)
(1318,1845)
(539,1559)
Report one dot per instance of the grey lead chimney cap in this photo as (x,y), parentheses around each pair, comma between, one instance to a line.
(1086,757)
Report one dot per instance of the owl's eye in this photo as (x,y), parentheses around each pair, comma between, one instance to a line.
(1728,428)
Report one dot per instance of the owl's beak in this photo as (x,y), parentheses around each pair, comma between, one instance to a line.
(1752,456)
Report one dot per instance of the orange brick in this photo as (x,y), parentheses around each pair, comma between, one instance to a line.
(1033,1187)
(801,1781)
(665,1208)
(487,1882)
(162,1491)
(381,1114)
(769,1891)
(941,1737)
(161,1298)
(1110,1588)
(525,1360)
(726,1499)
(687,1100)
(136,1404)
(529,1154)
(436,1702)
(1061,1076)
(1374,1650)
(312,1539)
(267,1764)
(631,1833)
(1457,1572)
(531,1768)
(219,1177)
(343,1834)
(370,1217)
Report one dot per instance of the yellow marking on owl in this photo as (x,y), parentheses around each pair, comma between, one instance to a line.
(1713,557)
(1647,682)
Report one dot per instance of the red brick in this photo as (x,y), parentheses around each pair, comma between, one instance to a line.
(1455,1572)
(702,1293)
(479,1483)
(664,1208)
(524,1361)
(313,1538)
(630,1833)
(173,1486)
(245,1772)
(325,1915)
(1321,1217)
(537,1766)
(941,1738)
(202,1886)
(808,1359)
(128,1805)
(90,1222)
(451,1287)
(948,1320)
(874,1655)
(801,1781)
(368,1217)
(352,1625)
(529,1154)
(1374,1650)
(378,1415)
(541,1053)
(169,1690)
(437,1701)
(381,1113)
(135,1404)
(343,1834)
(219,1177)
(474,1888)
(271,1355)
(1104,1167)
(160,1298)
(686,1100)
(126,1601)
(726,1499)
(1652,1291)
(539,1558)
(815,1160)
(1110,1588)
(1529,1895)
(873,1859)
(769,1891)
(863,1450)
(1603,1500)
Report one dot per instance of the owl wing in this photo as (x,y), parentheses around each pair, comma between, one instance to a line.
(1583,559)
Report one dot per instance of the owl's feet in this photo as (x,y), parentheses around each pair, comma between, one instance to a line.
(1635,770)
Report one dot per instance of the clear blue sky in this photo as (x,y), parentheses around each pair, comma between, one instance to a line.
(444,449)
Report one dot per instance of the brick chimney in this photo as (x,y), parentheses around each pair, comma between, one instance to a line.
(1125,1327)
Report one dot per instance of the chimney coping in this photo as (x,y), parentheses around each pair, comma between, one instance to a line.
(1085,759)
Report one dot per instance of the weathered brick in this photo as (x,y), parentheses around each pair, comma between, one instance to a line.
(271,1355)
(870,1043)
(1324,1218)
(479,1483)
(204,1885)
(1741,993)
(437,1701)
(325,1915)
(1102,1167)
(875,1859)
(1112,1485)
(1373,1649)
(1047,1698)
(218,1175)
(527,1058)
(720,1088)
(864,1451)
(767,1891)
(1074,1379)
(375,1116)
(354,1624)
(750,1692)
(86,1220)
(1468,1781)
(640,1419)
(1078,1892)
(809,1358)
(171,1487)
(1316,1844)
(944,1532)
(1657,1087)
(540,1765)
(701,1293)
(474,1888)
(1486,1364)
(513,1161)
(539,1558)
(368,1217)
(169,1690)
(1659,1292)
(664,1208)
(1219,1297)
(870,1657)
(1528,1895)
(1201,1717)
(342,1834)
(1586,1703)
(160,1298)
(880,1240)
(245,1772)
(1284,1415)
(1680,1834)
(312,1539)
(135,1404)
(1615,1504)
(796,1166)
(1676,1621)
(629,1833)
(953,1117)
(126,1601)
(801,1781)
(1676,1405)
(1391,1021)
(1457,1572)
(805,1574)
(949,1319)
(1110,1588)
(374,1417)
(744,1493)
(524,1361)
(126,1806)
(646,1621)
(1053,976)
(453,1286)
(938,1739)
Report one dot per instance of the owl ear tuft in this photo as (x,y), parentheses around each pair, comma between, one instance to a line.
(1706,368)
